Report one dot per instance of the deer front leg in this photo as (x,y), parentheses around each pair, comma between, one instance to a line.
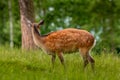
(60,55)
(91,60)
(53,59)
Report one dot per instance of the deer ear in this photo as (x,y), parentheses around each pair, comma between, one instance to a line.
(41,22)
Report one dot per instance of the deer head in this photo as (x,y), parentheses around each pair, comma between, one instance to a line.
(36,25)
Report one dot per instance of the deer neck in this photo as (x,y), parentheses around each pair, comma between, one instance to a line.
(37,38)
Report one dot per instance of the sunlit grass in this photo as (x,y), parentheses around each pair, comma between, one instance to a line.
(35,65)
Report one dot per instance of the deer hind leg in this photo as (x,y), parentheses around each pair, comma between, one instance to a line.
(91,60)
(86,57)
(83,53)
(85,61)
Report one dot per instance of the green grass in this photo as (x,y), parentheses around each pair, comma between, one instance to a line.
(36,65)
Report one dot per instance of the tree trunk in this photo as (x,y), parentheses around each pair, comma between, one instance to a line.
(27,13)
(11,23)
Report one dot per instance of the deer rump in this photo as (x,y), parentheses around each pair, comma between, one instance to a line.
(68,40)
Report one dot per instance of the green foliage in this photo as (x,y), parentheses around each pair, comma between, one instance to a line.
(4,23)
(35,65)
(100,17)
(3,16)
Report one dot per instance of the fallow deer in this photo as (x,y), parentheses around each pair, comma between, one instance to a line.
(63,41)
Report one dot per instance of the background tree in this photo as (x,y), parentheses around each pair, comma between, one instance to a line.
(5,23)
(11,23)
(27,13)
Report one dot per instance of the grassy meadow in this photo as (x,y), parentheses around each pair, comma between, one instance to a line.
(36,65)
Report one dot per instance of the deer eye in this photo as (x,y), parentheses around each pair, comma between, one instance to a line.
(35,25)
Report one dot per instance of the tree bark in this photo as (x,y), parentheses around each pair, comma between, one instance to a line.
(27,13)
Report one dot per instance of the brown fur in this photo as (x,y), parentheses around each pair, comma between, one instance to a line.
(62,41)
(68,40)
